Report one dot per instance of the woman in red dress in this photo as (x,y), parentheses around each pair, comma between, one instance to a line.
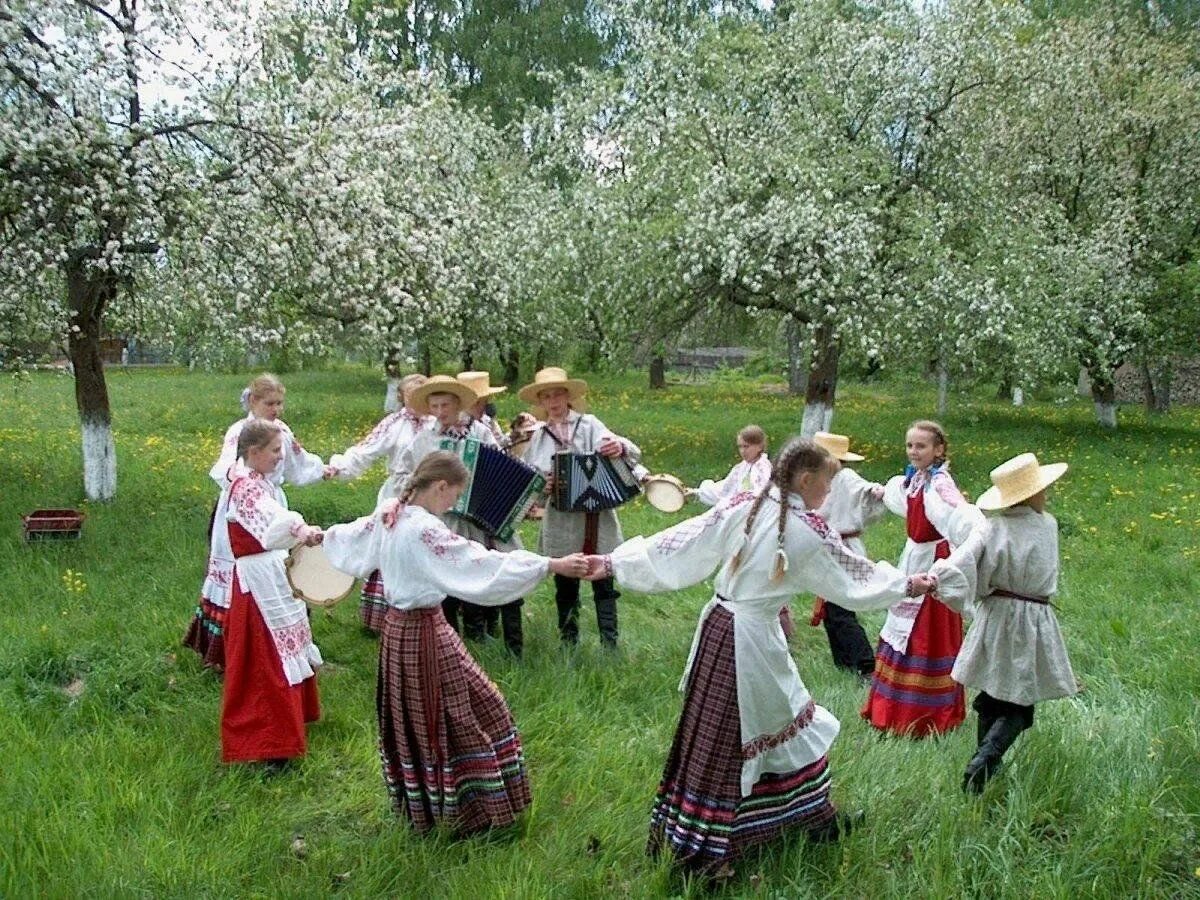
(912,692)
(270,690)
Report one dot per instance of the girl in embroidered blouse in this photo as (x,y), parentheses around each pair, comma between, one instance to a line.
(749,757)
(270,688)
(263,401)
(390,438)
(912,692)
(451,752)
(751,473)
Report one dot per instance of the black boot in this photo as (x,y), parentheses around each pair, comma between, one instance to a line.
(605,596)
(986,761)
(450,608)
(566,598)
(474,621)
(837,827)
(511,625)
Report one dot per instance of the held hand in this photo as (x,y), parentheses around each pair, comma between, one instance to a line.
(329,472)
(573,566)
(877,491)
(389,511)
(611,448)
(549,488)
(596,568)
(922,584)
(691,493)
(313,536)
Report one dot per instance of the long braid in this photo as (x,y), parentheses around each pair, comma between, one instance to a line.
(440,465)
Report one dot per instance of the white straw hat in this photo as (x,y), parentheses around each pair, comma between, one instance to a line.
(838,445)
(553,377)
(480,383)
(1019,479)
(441,384)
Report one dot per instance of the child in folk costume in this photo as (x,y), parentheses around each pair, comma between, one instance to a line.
(749,757)
(263,401)
(753,473)
(912,692)
(852,504)
(567,426)
(1014,653)
(270,688)
(389,438)
(447,399)
(451,752)
(508,616)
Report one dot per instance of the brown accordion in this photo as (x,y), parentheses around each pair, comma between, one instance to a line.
(589,482)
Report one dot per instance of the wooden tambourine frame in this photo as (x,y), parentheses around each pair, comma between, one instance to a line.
(302,594)
(669,480)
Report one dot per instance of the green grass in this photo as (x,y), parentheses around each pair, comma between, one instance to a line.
(119,791)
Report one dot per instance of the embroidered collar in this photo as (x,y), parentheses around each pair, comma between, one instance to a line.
(923,477)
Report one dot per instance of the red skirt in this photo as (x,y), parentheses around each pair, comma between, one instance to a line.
(373,607)
(912,693)
(262,716)
(450,750)
(207,634)
(700,816)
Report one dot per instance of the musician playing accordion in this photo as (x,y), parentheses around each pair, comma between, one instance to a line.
(559,402)
(447,400)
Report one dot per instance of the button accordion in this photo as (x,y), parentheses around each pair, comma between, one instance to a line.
(500,489)
(590,482)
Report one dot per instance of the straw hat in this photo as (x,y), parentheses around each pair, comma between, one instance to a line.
(549,378)
(480,383)
(441,384)
(1019,479)
(838,445)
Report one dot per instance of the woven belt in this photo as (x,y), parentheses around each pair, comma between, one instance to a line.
(846,535)
(1041,601)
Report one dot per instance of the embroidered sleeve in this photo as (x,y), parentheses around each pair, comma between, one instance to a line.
(253,506)
(355,547)
(946,489)
(680,536)
(300,466)
(220,472)
(468,570)
(831,570)
(378,442)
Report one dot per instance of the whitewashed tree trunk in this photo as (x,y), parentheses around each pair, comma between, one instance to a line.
(1106,413)
(821,391)
(1104,398)
(391,400)
(88,293)
(99,461)
(943,385)
(1018,397)
(797,372)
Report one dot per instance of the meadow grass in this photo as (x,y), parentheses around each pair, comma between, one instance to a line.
(112,784)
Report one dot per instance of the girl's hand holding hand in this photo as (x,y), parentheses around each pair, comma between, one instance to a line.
(330,472)
(573,566)
(877,491)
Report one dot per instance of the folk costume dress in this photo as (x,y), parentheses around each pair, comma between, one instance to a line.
(912,691)
(474,616)
(848,509)
(451,753)
(1014,653)
(565,532)
(205,635)
(745,476)
(270,688)
(749,757)
(390,438)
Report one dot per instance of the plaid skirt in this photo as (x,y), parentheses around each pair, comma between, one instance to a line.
(206,635)
(451,753)
(700,815)
(373,607)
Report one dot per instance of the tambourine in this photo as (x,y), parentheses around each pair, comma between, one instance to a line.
(314,579)
(666,493)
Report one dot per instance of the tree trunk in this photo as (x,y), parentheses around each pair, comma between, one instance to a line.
(1104,398)
(511,359)
(943,382)
(1018,397)
(426,359)
(87,296)
(539,357)
(468,356)
(391,365)
(658,372)
(797,374)
(1006,388)
(822,383)
(1156,387)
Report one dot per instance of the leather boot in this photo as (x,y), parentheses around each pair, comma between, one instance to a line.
(986,761)
(566,598)
(605,596)
(511,625)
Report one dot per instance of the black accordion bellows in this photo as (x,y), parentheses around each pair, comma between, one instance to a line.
(500,489)
(589,482)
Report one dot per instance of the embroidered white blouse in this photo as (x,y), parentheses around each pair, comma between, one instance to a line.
(744,476)
(1014,649)
(258,506)
(390,438)
(851,507)
(298,466)
(562,531)
(940,495)
(782,728)
(423,562)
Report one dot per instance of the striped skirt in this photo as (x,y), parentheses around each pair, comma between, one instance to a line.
(206,635)
(373,607)
(451,753)
(700,815)
(912,693)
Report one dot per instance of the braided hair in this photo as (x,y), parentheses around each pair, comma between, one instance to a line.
(440,465)
(796,456)
(256,434)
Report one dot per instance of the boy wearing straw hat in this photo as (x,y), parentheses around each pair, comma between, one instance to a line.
(559,401)
(853,504)
(447,399)
(507,616)
(1014,653)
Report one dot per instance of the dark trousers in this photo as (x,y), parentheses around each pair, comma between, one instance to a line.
(479,622)
(990,709)
(847,641)
(566,597)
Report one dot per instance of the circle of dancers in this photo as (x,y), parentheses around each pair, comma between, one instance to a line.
(750,755)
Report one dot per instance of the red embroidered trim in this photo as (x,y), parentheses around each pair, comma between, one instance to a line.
(765,742)
(292,640)
(857,567)
(684,533)
(441,543)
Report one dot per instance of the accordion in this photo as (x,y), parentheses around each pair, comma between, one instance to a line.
(589,482)
(500,489)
